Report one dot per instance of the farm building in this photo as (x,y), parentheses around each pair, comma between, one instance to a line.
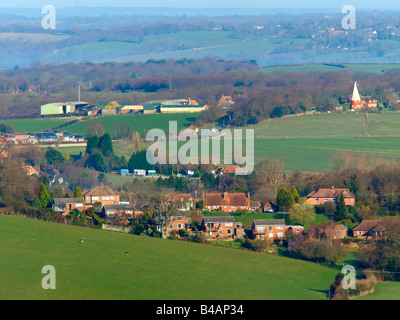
(55,108)
(112,108)
(58,108)
(358,103)
(132,109)
(181,109)
(173,106)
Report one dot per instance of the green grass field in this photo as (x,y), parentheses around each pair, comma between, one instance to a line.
(313,142)
(138,122)
(384,291)
(154,269)
(36,124)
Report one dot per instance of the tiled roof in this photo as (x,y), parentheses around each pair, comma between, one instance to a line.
(102,191)
(226,199)
(331,193)
(64,201)
(367,225)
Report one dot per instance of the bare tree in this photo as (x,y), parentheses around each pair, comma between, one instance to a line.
(270,172)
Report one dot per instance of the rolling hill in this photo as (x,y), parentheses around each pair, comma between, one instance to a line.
(154,269)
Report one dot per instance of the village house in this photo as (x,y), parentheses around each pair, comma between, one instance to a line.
(219,227)
(182,201)
(65,205)
(269,207)
(124,212)
(268,229)
(255,205)
(177,223)
(225,102)
(332,194)
(368,229)
(227,202)
(103,194)
(272,229)
(31,171)
(230,169)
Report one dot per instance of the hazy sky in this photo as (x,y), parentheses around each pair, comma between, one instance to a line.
(361,4)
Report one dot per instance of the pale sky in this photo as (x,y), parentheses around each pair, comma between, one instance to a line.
(273,4)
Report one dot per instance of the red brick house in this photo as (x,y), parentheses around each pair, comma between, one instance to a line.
(177,223)
(228,202)
(265,229)
(219,227)
(294,230)
(330,194)
(103,194)
(369,229)
(65,205)
(182,201)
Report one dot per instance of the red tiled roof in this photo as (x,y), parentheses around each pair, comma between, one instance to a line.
(331,193)
(102,191)
(367,225)
(31,170)
(226,199)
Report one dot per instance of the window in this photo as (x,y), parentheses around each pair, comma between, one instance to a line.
(95,198)
(316,199)
(279,227)
(106,198)
(228,224)
(261,229)
(270,228)
(326,199)
(179,226)
(271,235)
(280,234)
(220,231)
(229,231)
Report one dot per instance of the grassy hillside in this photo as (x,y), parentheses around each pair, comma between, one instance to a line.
(36,124)
(153,269)
(313,142)
(137,122)
(384,291)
